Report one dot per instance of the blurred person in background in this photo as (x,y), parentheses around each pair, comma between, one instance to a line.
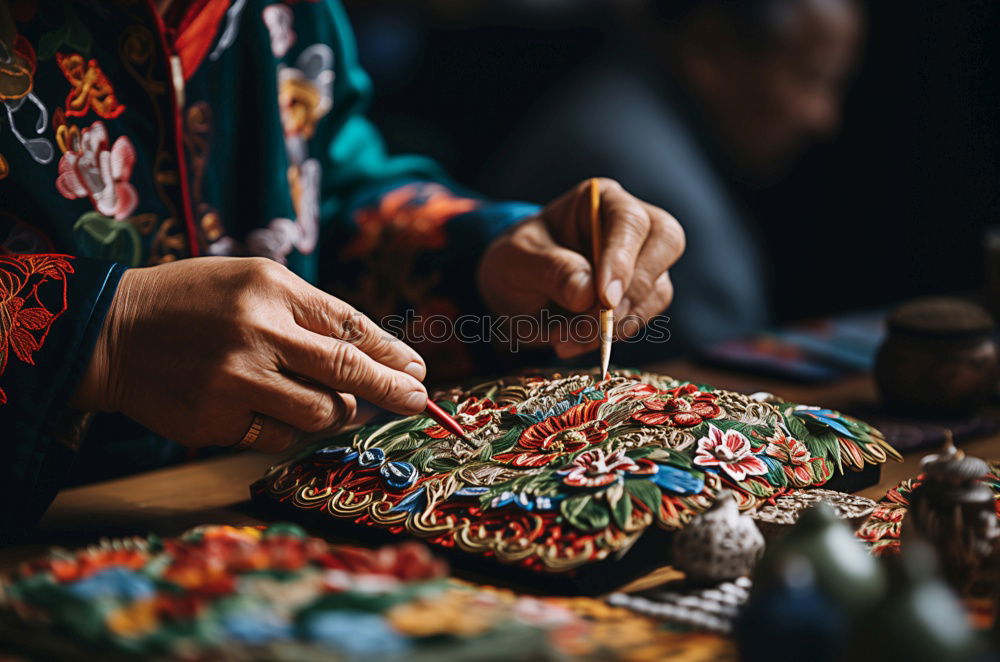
(695,97)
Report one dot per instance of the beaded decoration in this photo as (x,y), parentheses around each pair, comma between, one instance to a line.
(883,528)
(556,472)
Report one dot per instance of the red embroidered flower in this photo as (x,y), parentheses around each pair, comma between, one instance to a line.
(91,89)
(100,171)
(25,318)
(471,415)
(557,436)
(595,468)
(731,452)
(684,406)
(797,459)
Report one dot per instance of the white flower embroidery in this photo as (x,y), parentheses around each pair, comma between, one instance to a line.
(278,19)
(99,171)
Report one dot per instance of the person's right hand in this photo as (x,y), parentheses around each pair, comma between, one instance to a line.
(192,349)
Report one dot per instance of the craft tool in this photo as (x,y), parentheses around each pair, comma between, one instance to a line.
(597,241)
(444,419)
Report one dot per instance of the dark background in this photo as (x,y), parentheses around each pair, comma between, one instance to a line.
(894,206)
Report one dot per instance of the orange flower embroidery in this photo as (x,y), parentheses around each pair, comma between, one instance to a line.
(91,88)
(409,219)
(25,319)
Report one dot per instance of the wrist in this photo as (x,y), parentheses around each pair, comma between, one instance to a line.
(99,385)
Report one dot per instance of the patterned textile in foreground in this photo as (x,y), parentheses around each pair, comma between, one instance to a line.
(255,593)
(556,473)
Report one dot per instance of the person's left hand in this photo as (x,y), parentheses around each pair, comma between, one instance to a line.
(545,260)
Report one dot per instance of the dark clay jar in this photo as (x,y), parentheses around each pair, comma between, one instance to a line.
(939,360)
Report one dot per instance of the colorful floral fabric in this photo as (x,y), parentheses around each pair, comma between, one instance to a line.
(227,127)
(557,472)
(236,593)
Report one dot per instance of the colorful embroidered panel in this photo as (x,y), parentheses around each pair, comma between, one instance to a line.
(563,471)
(225,593)
(883,528)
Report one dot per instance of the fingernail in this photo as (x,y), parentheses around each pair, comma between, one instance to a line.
(631,327)
(613,293)
(416,401)
(416,369)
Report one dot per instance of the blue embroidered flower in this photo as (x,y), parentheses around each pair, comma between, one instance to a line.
(358,635)
(826,418)
(677,480)
(254,625)
(336,453)
(371,458)
(113,583)
(413,503)
(526,501)
(399,475)
(472,491)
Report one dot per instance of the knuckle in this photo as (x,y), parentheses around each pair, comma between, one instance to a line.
(318,412)
(641,285)
(673,235)
(346,361)
(635,222)
(262,267)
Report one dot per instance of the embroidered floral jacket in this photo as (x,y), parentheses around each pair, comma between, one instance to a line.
(238,130)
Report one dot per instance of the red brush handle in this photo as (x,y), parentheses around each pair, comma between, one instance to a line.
(444,419)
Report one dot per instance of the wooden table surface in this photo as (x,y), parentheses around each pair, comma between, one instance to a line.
(169,501)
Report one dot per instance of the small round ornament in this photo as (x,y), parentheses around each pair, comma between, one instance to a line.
(719,545)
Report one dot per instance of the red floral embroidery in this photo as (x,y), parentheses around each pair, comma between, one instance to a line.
(596,468)
(684,406)
(557,436)
(25,319)
(799,464)
(91,89)
(408,219)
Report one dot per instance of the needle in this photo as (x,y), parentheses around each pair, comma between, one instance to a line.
(597,241)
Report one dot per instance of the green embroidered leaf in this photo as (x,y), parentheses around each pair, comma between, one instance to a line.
(826,445)
(775,473)
(669,456)
(448,406)
(402,443)
(755,488)
(585,513)
(622,512)
(795,426)
(78,37)
(442,464)
(506,441)
(50,42)
(108,238)
(422,458)
(647,493)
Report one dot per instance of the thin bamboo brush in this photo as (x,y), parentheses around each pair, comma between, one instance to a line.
(597,242)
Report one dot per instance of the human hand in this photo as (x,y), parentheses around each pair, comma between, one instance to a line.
(545,260)
(193,349)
